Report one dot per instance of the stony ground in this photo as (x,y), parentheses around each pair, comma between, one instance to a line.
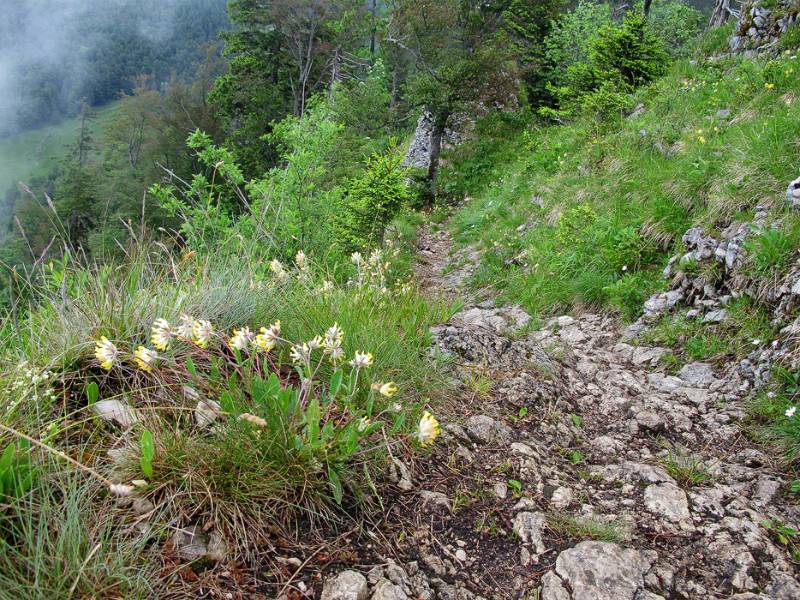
(573,467)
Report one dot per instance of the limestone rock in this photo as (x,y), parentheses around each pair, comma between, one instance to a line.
(597,571)
(485,430)
(347,585)
(530,528)
(669,502)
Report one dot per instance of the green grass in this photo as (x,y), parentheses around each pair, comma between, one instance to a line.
(746,327)
(34,153)
(65,540)
(585,528)
(310,462)
(686,470)
(615,202)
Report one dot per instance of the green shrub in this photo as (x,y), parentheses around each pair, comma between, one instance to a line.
(628,293)
(629,54)
(371,201)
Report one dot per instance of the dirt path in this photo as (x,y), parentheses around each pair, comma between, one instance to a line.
(574,468)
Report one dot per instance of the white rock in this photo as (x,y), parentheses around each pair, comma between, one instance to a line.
(116,411)
(347,585)
(530,528)
(668,501)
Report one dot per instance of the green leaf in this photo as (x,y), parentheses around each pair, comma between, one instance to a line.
(336,485)
(190,366)
(515,485)
(92,392)
(147,451)
(312,420)
(336,382)
(227,403)
(577,420)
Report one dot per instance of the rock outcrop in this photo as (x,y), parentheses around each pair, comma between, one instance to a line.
(760,27)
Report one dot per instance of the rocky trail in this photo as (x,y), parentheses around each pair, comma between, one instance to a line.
(573,467)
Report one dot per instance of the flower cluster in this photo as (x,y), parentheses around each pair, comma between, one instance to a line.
(201,333)
(30,385)
(790,412)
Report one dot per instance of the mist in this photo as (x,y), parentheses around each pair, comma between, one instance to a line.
(53,53)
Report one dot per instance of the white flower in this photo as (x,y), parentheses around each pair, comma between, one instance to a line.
(161,334)
(362,359)
(336,355)
(790,411)
(240,339)
(202,332)
(363,424)
(334,337)
(326,287)
(427,429)
(356,258)
(120,489)
(277,270)
(185,329)
(145,358)
(315,343)
(301,261)
(106,353)
(756,342)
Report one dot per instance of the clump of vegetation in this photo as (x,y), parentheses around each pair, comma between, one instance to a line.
(686,470)
(586,528)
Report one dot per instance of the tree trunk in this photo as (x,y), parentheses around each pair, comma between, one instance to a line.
(437,133)
(720,14)
(646,8)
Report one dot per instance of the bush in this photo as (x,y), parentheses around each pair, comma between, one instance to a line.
(677,24)
(371,201)
(629,54)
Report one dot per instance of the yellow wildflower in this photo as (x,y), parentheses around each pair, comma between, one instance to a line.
(161,334)
(428,429)
(769,86)
(201,333)
(362,359)
(388,389)
(106,353)
(241,339)
(185,329)
(145,358)
(267,338)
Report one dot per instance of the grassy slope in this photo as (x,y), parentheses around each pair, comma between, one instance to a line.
(35,152)
(715,139)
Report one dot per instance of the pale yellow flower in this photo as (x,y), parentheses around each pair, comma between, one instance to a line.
(769,86)
(267,338)
(240,339)
(300,354)
(201,333)
(363,424)
(145,358)
(106,353)
(253,420)
(428,429)
(161,334)
(315,343)
(334,337)
(120,489)
(301,261)
(185,329)
(277,270)
(388,389)
(362,359)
